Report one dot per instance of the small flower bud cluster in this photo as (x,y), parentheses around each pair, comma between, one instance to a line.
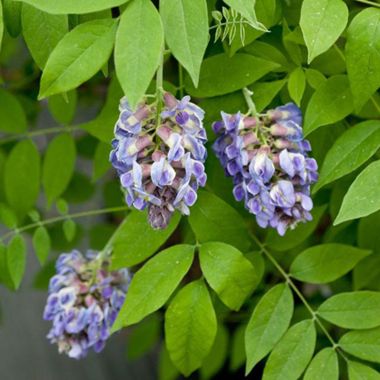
(83,303)
(267,157)
(160,159)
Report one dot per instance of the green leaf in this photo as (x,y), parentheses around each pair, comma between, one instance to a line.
(331,102)
(362,196)
(237,72)
(292,353)
(22,177)
(1,24)
(73,6)
(69,229)
(42,32)
(265,92)
(247,9)
(154,283)
(186,32)
(326,263)
(63,110)
(143,337)
(363,55)
(58,166)
(295,237)
(314,78)
(215,359)
(190,327)
(363,344)
(7,216)
(358,371)
(12,17)
(12,115)
(323,366)
(268,323)
(78,56)
(354,310)
(350,150)
(212,219)
(297,84)
(228,272)
(166,368)
(237,348)
(41,244)
(138,51)
(101,163)
(16,259)
(137,240)
(322,22)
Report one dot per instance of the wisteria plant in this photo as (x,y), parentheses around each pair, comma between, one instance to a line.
(231,150)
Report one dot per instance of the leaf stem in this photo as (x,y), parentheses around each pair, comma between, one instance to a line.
(159,88)
(248,98)
(369,3)
(40,132)
(61,218)
(288,279)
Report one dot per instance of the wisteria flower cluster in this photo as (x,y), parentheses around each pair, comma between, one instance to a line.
(267,157)
(84,300)
(159,156)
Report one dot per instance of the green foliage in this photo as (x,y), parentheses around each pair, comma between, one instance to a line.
(12,115)
(323,366)
(16,259)
(41,244)
(138,50)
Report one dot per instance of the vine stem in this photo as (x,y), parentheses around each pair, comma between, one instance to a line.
(63,217)
(369,3)
(289,281)
(40,132)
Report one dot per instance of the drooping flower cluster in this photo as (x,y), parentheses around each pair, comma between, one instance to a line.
(267,157)
(160,158)
(84,300)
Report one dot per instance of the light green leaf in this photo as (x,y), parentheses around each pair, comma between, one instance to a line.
(350,150)
(363,55)
(292,353)
(78,56)
(69,229)
(354,310)
(154,283)
(322,22)
(237,72)
(331,102)
(42,32)
(363,344)
(190,327)
(358,371)
(63,110)
(215,359)
(12,115)
(22,177)
(314,78)
(247,9)
(138,51)
(41,244)
(295,237)
(297,84)
(58,166)
(212,219)
(16,259)
(323,366)
(73,6)
(268,323)
(186,32)
(362,197)
(137,240)
(228,272)
(326,263)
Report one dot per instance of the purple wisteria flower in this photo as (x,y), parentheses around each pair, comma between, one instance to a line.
(83,302)
(160,160)
(267,157)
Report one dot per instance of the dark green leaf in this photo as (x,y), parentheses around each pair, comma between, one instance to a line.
(166,368)
(190,327)
(101,161)
(228,272)
(63,110)
(12,115)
